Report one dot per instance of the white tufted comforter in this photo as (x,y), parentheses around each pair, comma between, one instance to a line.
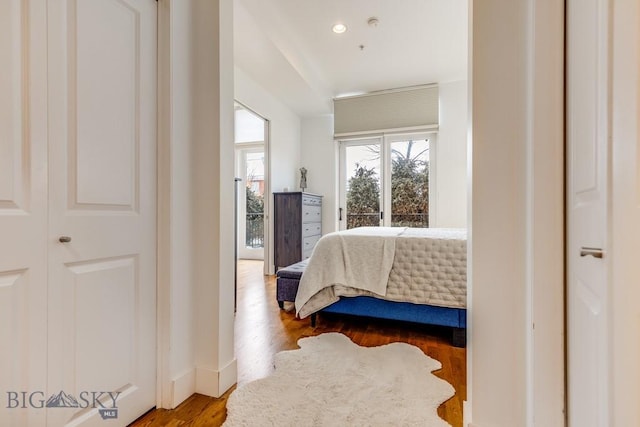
(428,267)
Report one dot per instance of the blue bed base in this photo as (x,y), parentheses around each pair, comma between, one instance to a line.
(365,306)
(288,280)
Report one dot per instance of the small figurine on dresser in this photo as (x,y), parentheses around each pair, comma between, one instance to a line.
(303,178)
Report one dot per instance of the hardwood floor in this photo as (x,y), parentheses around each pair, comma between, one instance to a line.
(262,330)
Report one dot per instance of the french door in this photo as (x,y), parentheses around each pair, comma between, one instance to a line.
(387,181)
(251,201)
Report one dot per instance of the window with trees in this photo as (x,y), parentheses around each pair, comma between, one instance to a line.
(386,181)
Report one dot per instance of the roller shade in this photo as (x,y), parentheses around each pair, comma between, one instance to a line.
(414,107)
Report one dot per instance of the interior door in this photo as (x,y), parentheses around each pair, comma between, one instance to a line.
(587,141)
(23,211)
(102,214)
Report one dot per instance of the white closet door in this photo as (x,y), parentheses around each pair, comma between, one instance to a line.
(23,214)
(102,136)
(587,195)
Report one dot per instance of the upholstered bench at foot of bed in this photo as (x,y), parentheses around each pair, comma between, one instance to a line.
(287,281)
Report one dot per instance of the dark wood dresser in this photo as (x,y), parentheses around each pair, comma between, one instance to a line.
(297,226)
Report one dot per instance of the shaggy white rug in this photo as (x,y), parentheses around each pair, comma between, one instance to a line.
(330,381)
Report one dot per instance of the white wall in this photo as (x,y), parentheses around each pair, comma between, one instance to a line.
(624,340)
(451,156)
(195,291)
(319,156)
(516,277)
(284,130)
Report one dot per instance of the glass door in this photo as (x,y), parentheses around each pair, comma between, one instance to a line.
(251,203)
(387,181)
(408,187)
(361,183)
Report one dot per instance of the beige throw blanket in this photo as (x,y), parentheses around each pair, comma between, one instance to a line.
(363,261)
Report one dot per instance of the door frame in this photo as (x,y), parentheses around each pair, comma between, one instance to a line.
(267,250)
(541,34)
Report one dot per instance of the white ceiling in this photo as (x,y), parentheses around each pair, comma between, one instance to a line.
(287,47)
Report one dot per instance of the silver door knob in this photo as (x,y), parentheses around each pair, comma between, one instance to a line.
(594,252)
(64,239)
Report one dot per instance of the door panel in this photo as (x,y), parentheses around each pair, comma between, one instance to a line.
(409,196)
(587,141)
(102,134)
(251,202)
(361,183)
(23,221)
(104,86)
(13,144)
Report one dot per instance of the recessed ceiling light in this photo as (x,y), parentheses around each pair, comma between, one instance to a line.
(339,28)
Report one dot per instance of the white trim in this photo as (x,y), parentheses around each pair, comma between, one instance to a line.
(215,383)
(182,388)
(380,132)
(164,385)
(268,195)
(529,222)
(249,144)
(382,92)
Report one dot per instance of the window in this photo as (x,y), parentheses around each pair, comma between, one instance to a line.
(387,181)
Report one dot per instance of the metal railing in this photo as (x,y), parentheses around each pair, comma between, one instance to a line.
(254,231)
(419,220)
(372,219)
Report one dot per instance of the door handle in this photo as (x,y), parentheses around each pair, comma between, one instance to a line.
(64,239)
(594,252)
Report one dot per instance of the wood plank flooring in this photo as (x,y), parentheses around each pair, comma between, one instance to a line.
(262,330)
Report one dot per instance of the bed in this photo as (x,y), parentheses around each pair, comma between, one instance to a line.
(409,274)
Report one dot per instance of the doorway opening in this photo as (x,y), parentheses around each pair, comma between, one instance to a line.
(251,139)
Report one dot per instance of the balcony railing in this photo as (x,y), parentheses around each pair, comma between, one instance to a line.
(254,237)
(397,220)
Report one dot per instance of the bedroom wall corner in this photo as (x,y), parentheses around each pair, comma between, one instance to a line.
(451,152)
(284,124)
(318,155)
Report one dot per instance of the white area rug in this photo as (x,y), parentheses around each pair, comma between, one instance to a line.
(331,381)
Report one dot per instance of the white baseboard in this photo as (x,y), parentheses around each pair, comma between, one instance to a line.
(228,377)
(466,414)
(183,387)
(215,383)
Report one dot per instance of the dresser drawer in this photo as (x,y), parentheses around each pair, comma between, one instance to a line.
(307,254)
(309,242)
(311,213)
(311,229)
(311,200)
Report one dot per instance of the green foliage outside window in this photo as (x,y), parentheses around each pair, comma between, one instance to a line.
(409,192)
